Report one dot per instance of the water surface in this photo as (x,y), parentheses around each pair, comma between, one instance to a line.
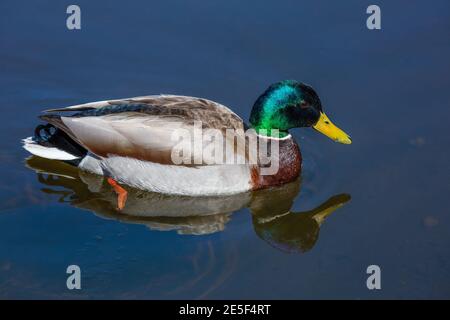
(382,200)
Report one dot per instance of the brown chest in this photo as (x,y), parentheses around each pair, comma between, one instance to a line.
(289,166)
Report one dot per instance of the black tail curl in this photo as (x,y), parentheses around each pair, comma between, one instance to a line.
(49,136)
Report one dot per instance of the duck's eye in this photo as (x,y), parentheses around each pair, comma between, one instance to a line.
(303,104)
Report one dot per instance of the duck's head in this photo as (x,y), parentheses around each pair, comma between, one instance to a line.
(290,104)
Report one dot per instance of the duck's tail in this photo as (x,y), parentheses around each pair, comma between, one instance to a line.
(52,143)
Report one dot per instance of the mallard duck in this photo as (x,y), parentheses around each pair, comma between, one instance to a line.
(130,141)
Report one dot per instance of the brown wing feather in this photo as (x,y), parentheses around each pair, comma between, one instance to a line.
(212,114)
(141,127)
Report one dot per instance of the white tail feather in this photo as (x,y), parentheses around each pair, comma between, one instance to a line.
(46,152)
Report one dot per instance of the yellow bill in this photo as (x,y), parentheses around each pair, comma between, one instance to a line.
(325,126)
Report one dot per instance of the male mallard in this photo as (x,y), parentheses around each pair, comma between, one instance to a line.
(129,140)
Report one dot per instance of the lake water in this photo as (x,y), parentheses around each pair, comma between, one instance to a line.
(384,200)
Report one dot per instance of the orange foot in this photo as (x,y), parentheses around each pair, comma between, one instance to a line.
(122,194)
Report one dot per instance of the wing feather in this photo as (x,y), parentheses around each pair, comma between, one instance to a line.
(141,127)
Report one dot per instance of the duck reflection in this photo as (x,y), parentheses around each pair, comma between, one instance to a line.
(272,218)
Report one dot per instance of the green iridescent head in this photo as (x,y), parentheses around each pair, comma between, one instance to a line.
(290,104)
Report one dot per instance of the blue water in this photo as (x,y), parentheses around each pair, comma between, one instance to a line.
(388,88)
